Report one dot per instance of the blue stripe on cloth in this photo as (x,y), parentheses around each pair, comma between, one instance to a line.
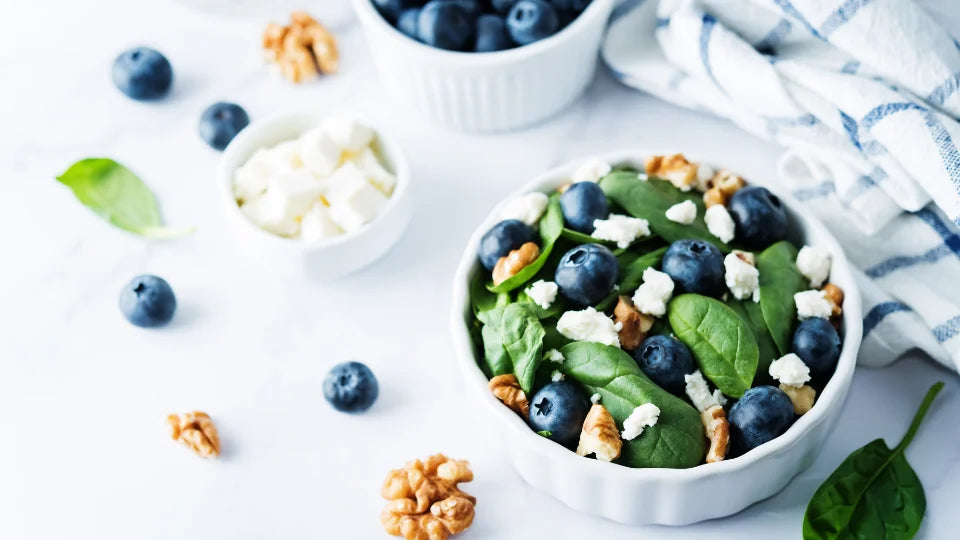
(865,182)
(905,261)
(878,113)
(789,9)
(950,238)
(662,22)
(844,13)
(947,149)
(774,36)
(706,30)
(941,93)
(803,120)
(850,126)
(817,192)
(850,67)
(872,148)
(879,312)
(947,330)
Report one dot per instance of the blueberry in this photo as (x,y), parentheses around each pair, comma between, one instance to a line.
(445,24)
(817,343)
(391,9)
(492,34)
(407,23)
(761,415)
(559,408)
(221,122)
(148,301)
(695,266)
(350,387)
(503,238)
(473,7)
(582,203)
(531,20)
(502,6)
(759,216)
(142,73)
(587,274)
(570,5)
(665,360)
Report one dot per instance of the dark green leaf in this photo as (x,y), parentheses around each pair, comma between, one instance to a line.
(513,342)
(779,281)
(554,310)
(551,226)
(752,313)
(581,238)
(483,300)
(631,274)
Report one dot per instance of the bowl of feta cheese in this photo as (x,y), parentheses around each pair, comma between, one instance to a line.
(315,195)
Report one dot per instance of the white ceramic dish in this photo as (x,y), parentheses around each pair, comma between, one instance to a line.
(660,496)
(328,259)
(487,92)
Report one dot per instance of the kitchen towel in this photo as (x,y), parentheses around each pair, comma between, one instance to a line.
(865,96)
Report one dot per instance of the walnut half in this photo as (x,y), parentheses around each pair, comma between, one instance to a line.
(303,49)
(509,265)
(633,324)
(675,168)
(600,435)
(196,430)
(506,388)
(424,500)
(718,431)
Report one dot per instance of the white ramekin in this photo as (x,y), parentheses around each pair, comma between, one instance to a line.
(327,259)
(660,496)
(487,92)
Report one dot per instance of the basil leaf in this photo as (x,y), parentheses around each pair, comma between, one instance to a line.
(631,274)
(874,493)
(752,314)
(118,196)
(649,199)
(719,339)
(513,342)
(677,439)
(779,281)
(551,226)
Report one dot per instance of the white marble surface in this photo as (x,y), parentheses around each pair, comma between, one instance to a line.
(84,394)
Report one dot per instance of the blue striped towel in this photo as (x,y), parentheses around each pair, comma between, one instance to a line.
(865,96)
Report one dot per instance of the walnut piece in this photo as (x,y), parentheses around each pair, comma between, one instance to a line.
(802,397)
(722,186)
(424,500)
(675,168)
(515,261)
(718,431)
(713,197)
(633,324)
(599,435)
(196,430)
(303,50)
(834,295)
(506,388)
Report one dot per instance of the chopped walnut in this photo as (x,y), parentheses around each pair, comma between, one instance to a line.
(802,397)
(564,187)
(196,430)
(834,295)
(599,435)
(675,168)
(718,431)
(515,261)
(303,50)
(713,197)
(424,500)
(633,324)
(506,388)
(728,183)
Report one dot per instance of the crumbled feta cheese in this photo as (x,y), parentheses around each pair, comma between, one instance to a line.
(812,304)
(743,279)
(354,202)
(527,208)
(683,213)
(719,222)
(588,325)
(591,170)
(554,355)
(644,416)
(790,370)
(642,177)
(705,174)
(543,293)
(556,376)
(595,398)
(320,154)
(814,263)
(347,133)
(699,393)
(654,293)
(620,229)
(316,224)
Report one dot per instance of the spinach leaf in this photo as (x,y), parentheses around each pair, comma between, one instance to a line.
(874,493)
(551,226)
(513,342)
(581,238)
(719,339)
(555,309)
(649,199)
(118,196)
(677,439)
(752,313)
(779,281)
(631,274)
(483,300)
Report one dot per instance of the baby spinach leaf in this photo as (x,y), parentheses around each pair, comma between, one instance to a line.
(118,196)
(581,238)
(677,439)
(513,342)
(719,339)
(483,300)
(554,310)
(551,226)
(649,199)
(751,312)
(779,281)
(631,274)
(874,493)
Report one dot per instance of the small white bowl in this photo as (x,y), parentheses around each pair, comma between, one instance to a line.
(660,496)
(327,259)
(487,92)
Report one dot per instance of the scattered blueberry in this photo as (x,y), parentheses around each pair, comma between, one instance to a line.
(350,387)
(148,301)
(503,238)
(502,6)
(559,408)
(391,9)
(531,20)
(445,24)
(761,415)
(142,73)
(582,203)
(492,34)
(587,274)
(817,343)
(695,266)
(759,216)
(221,122)
(665,360)
(407,23)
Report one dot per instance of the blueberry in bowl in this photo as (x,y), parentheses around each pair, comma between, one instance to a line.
(557,411)
(587,274)
(583,203)
(759,217)
(666,361)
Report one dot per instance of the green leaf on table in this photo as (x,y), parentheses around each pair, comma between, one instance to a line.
(779,281)
(752,314)
(631,274)
(513,342)
(551,226)
(118,196)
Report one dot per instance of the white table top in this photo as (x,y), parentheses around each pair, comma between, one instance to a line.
(84,394)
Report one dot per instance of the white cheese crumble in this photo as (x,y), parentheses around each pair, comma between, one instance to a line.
(588,325)
(699,393)
(814,263)
(554,355)
(812,304)
(527,208)
(705,173)
(654,293)
(543,293)
(620,229)
(683,213)
(719,222)
(591,170)
(556,376)
(595,398)
(743,279)
(644,416)
(790,370)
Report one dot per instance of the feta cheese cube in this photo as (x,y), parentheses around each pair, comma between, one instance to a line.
(269,213)
(316,224)
(683,213)
(743,279)
(554,355)
(620,229)
(543,293)
(556,376)
(654,293)
(588,325)
(527,208)
(812,304)
(319,152)
(719,222)
(591,170)
(354,201)
(250,179)
(790,370)
(699,393)
(642,417)
(284,157)
(814,263)
(347,133)
(293,193)
(380,177)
